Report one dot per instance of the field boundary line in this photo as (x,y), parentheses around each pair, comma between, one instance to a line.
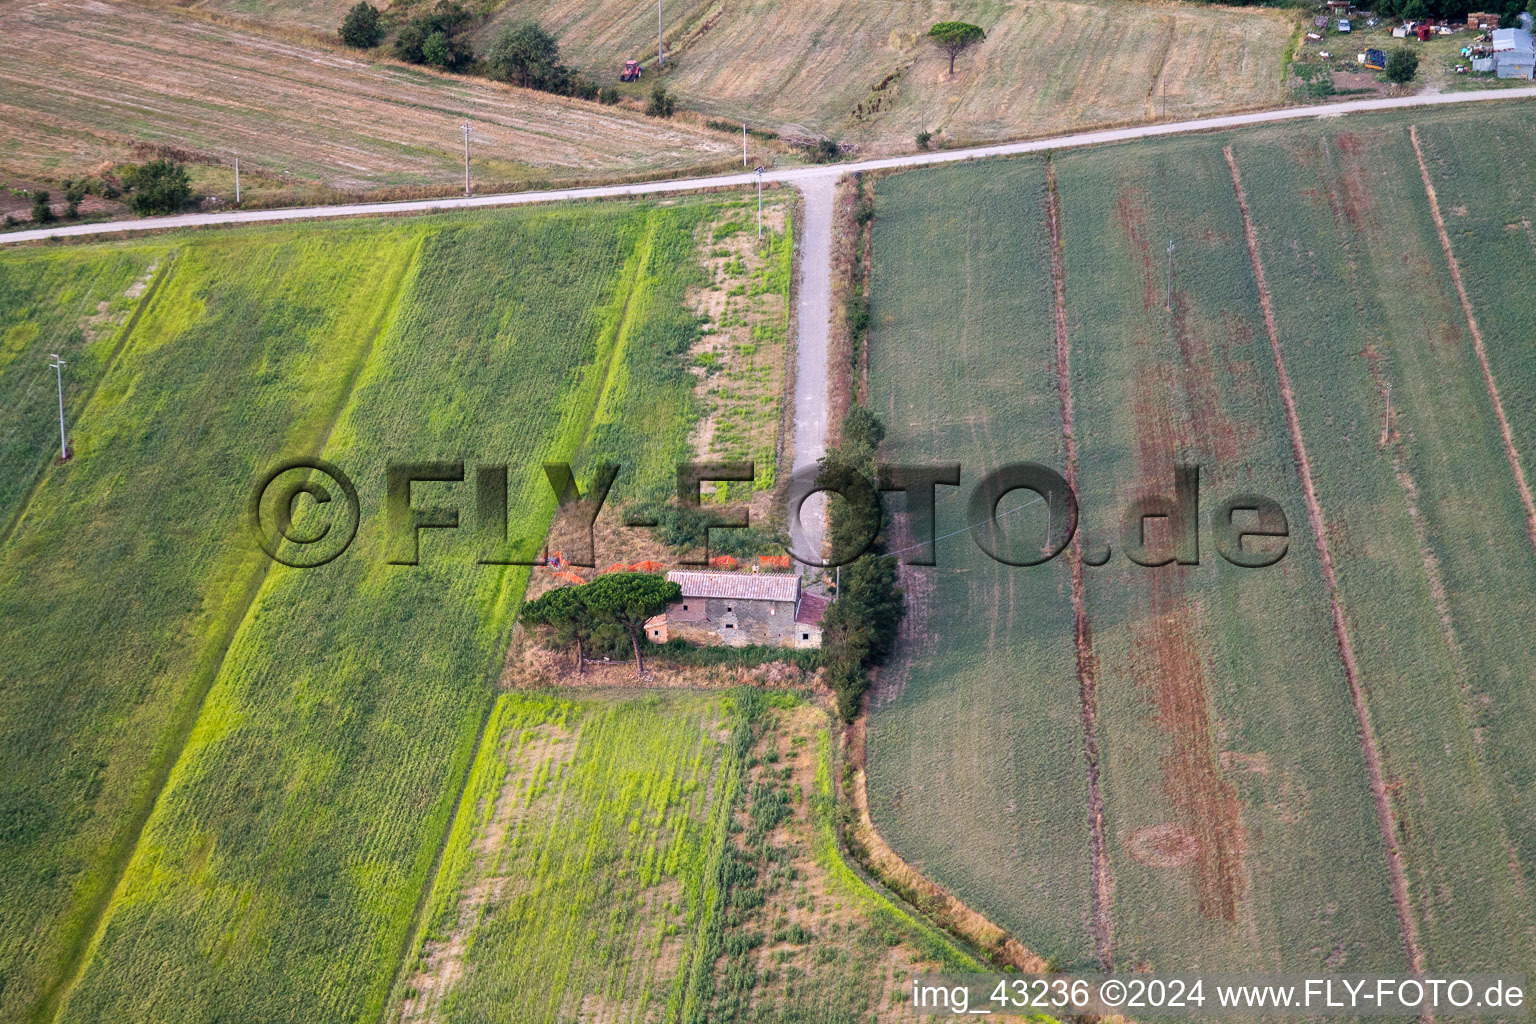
(41,473)
(1103,880)
(931,902)
(168,751)
(1510,451)
(1395,864)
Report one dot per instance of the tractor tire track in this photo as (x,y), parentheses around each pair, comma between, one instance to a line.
(1385,819)
(1087,667)
(1510,451)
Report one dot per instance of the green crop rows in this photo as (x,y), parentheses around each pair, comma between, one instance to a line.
(1239,819)
(226,784)
(577,867)
(983,710)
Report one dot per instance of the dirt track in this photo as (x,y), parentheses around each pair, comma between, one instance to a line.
(1477,343)
(1087,669)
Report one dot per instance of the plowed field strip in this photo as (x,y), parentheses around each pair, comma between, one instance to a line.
(1477,342)
(1103,877)
(1384,817)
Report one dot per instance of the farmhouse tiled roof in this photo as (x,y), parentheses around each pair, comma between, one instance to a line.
(757,586)
(811,609)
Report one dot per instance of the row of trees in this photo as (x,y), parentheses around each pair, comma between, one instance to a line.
(594,614)
(523,54)
(859,629)
(159,186)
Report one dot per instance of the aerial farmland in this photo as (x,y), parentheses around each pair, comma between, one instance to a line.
(1305,767)
(873,509)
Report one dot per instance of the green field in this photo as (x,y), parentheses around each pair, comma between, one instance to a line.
(1240,826)
(310,729)
(663,857)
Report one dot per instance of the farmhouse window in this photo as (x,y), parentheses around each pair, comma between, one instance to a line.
(730,625)
(805,636)
(729,608)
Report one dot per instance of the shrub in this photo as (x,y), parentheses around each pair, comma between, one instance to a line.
(661,103)
(923,138)
(527,55)
(608,95)
(435,38)
(361,27)
(160,186)
(856,315)
(74,192)
(824,151)
(1402,65)
(42,213)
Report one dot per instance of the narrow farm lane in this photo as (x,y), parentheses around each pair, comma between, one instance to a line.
(802,177)
(813,315)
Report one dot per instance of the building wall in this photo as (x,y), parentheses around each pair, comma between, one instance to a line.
(742,622)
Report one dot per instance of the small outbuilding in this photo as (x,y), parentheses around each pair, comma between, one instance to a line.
(1514,53)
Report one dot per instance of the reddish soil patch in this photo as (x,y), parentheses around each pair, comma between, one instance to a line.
(1133,224)
(1163,846)
(1167,661)
(1087,666)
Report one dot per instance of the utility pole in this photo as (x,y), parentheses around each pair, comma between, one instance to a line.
(1386,426)
(237,181)
(758,170)
(1170,275)
(466,128)
(743,143)
(661,58)
(58,369)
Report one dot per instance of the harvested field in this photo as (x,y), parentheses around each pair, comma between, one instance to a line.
(84,82)
(860,71)
(1307,766)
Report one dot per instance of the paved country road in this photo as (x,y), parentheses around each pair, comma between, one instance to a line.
(798,176)
(813,308)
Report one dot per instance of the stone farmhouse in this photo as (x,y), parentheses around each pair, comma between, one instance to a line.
(739,609)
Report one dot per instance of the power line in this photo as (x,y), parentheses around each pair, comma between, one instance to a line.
(974,526)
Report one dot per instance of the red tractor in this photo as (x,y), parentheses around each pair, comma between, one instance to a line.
(632,71)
